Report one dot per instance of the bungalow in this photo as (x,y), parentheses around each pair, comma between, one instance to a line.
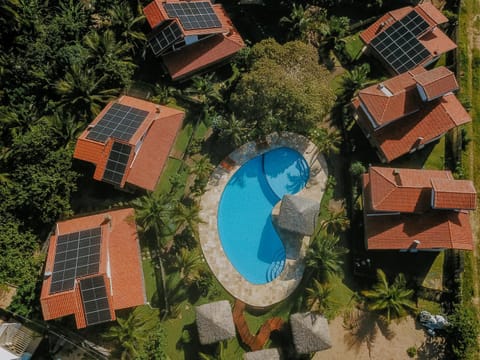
(408,111)
(129,142)
(190,36)
(93,268)
(411,210)
(405,38)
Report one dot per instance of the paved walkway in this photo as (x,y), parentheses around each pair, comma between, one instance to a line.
(280,288)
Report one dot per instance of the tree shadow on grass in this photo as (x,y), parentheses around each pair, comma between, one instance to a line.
(363,328)
(189,342)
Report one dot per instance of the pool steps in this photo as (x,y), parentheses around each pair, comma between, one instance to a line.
(277,265)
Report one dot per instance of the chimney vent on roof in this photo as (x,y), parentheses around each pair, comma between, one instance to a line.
(107,220)
(157,109)
(382,24)
(47,274)
(396,172)
(90,126)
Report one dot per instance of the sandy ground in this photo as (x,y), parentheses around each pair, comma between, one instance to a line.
(390,344)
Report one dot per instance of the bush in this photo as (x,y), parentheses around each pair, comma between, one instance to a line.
(462,334)
(412,351)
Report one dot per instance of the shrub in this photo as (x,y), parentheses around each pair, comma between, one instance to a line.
(412,351)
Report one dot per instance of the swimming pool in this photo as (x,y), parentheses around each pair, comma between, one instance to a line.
(245,227)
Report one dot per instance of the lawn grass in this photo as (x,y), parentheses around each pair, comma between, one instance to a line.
(340,296)
(183,138)
(436,159)
(432,307)
(434,277)
(149,278)
(172,167)
(353,45)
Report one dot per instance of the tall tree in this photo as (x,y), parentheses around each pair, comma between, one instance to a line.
(325,257)
(392,300)
(205,92)
(318,297)
(127,24)
(188,217)
(126,333)
(231,130)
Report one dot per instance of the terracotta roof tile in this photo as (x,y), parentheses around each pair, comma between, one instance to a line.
(196,57)
(156,14)
(153,155)
(120,242)
(401,190)
(387,20)
(437,82)
(429,10)
(454,194)
(98,152)
(434,229)
(437,43)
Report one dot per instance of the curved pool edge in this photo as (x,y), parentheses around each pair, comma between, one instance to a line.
(268,294)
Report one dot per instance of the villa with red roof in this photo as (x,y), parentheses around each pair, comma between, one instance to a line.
(93,268)
(129,142)
(412,209)
(408,111)
(191,36)
(405,38)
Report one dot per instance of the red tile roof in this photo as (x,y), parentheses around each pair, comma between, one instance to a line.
(434,40)
(202,54)
(437,82)
(145,167)
(120,266)
(434,230)
(456,194)
(401,190)
(156,14)
(397,211)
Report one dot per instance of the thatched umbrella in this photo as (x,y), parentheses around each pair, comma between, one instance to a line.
(266,354)
(215,322)
(310,332)
(298,214)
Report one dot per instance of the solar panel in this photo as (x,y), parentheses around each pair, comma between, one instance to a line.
(119,122)
(193,15)
(164,38)
(76,254)
(117,163)
(398,45)
(95,300)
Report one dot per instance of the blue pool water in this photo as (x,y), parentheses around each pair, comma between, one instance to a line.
(246,231)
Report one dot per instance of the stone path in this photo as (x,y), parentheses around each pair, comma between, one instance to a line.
(280,288)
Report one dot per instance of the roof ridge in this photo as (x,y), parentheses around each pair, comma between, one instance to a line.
(387,194)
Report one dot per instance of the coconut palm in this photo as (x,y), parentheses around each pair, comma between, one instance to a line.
(188,263)
(127,335)
(202,169)
(164,93)
(127,24)
(394,299)
(354,80)
(297,22)
(324,257)
(318,297)
(327,139)
(187,217)
(204,92)
(337,220)
(65,126)
(231,130)
(83,92)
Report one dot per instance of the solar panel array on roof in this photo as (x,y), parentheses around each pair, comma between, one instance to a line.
(398,45)
(194,15)
(119,122)
(117,163)
(164,38)
(95,300)
(76,254)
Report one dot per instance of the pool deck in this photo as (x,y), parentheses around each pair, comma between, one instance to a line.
(263,295)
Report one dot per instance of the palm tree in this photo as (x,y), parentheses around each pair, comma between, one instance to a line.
(327,139)
(298,21)
(153,213)
(324,256)
(354,80)
(188,263)
(83,91)
(65,126)
(164,93)
(232,130)
(337,220)
(127,334)
(127,25)
(394,299)
(204,92)
(187,217)
(201,168)
(318,297)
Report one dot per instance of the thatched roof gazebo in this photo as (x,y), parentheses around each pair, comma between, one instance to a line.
(266,354)
(310,332)
(214,322)
(298,214)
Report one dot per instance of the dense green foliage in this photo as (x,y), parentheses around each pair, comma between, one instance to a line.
(463,333)
(285,88)
(60,61)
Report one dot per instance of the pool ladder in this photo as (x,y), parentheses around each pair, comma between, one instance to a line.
(277,265)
